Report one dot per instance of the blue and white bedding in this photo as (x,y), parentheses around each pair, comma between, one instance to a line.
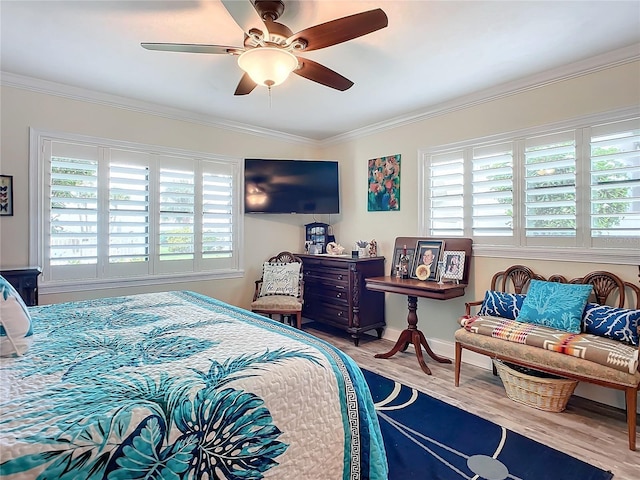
(178,385)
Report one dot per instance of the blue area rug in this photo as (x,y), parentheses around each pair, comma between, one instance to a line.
(428,439)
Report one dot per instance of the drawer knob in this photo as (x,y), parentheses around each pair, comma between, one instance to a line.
(340,314)
(340,277)
(339,295)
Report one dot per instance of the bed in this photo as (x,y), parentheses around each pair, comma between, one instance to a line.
(179,385)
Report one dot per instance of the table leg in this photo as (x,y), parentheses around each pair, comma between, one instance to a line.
(414,336)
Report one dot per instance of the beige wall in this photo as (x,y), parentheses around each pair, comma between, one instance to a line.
(602,91)
(606,90)
(22,109)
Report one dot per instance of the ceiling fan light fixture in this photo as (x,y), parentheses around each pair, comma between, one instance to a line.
(268,66)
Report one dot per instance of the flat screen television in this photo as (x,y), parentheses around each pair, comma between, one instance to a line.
(291,186)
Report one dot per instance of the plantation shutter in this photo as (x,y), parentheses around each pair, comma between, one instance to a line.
(217,210)
(492,191)
(177,213)
(129,213)
(550,187)
(72,219)
(615,181)
(445,176)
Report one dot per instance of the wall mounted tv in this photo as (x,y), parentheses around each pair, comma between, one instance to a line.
(291,186)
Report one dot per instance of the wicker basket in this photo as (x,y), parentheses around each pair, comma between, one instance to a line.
(550,394)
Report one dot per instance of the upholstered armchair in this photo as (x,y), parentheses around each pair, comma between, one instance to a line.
(280,290)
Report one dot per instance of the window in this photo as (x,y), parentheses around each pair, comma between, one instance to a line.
(113,214)
(555,191)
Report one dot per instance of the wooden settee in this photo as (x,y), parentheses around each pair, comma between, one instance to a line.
(608,289)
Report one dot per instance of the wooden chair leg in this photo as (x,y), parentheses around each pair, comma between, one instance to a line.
(458,360)
(632,406)
(299,320)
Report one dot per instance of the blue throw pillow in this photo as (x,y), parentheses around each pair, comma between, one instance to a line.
(555,305)
(501,304)
(617,323)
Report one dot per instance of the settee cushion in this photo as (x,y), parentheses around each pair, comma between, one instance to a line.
(501,304)
(617,323)
(555,305)
(539,357)
(597,349)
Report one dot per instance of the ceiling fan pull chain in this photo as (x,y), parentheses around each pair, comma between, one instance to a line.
(269,88)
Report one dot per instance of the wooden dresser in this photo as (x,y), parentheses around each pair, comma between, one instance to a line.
(25,281)
(335,293)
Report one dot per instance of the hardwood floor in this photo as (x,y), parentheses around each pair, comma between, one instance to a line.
(590,431)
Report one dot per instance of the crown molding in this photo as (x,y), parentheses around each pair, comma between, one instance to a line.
(598,63)
(76,93)
(577,69)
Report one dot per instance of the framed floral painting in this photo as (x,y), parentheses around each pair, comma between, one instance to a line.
(384,184)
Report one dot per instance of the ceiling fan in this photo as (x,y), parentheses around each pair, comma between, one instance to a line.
(271,50)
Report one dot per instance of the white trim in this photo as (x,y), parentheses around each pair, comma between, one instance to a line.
(611,59)
(76,93)
(623,251)
(620,256)
(38,137)
(128,282)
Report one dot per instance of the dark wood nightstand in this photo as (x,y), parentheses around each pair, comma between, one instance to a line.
(25,281)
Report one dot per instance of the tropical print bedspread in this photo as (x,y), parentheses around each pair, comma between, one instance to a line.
(178,385)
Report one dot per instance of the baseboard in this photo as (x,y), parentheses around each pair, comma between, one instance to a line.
(607,396)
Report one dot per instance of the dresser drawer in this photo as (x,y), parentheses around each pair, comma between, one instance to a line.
(323,295)
(327,276)
(317,310)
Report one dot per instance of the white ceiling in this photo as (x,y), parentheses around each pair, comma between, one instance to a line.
(431,53)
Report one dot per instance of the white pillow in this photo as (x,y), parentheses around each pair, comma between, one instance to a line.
(15,322)
(280,279)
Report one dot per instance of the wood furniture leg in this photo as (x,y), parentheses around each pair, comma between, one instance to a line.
(412,335)
(632,405)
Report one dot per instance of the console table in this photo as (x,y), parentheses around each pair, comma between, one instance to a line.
(417,288)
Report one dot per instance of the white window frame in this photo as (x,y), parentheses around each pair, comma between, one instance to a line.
(198,270)
(582,248)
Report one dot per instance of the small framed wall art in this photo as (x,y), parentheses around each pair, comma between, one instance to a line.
(383,184)
(453,265)
(425,263)
(6,195)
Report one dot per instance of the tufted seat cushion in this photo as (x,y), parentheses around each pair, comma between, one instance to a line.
(279,302)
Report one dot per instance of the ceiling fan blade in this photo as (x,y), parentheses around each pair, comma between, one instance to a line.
(245,86)
(321,74)
(193,48)
(341,29)
(245,15)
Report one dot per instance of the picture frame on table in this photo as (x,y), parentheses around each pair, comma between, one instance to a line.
(6,195)
(425,263)
(411,250)
(453,265)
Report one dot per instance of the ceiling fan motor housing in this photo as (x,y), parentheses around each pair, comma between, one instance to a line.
(269,10)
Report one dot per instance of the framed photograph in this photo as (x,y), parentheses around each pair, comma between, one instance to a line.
(411,251)
(453,265)
(425,263)
(6,195)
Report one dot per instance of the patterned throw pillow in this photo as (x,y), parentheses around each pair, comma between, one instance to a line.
(617,323)
(501,304)
(555,305)
(15,322)
(280,279)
